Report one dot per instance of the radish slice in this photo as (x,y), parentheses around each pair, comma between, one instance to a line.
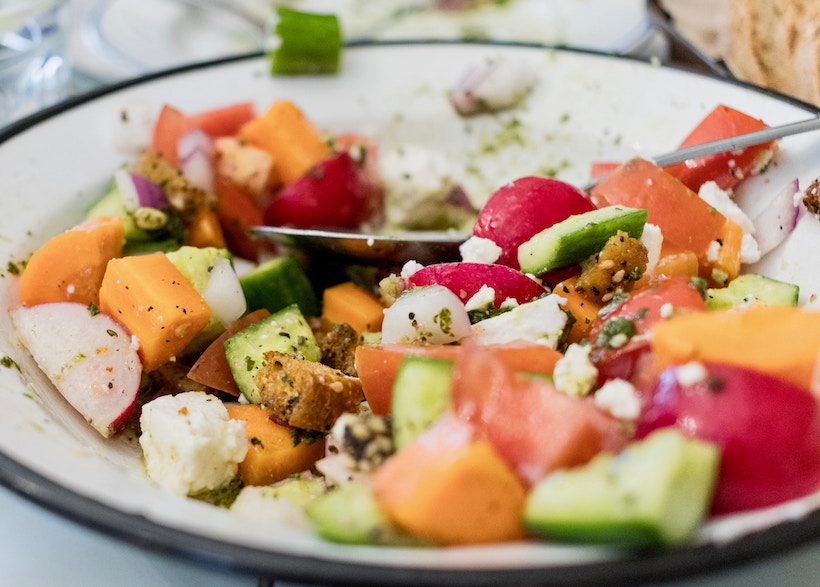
(196,155)
(431,314)
(89,358)
(778,219)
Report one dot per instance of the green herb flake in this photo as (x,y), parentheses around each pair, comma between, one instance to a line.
(8,362)
(92,309)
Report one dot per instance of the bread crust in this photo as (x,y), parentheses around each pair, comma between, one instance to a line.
(776,44)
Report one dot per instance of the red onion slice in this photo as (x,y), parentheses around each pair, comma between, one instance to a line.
(196,155)
(138,192)
(778,219)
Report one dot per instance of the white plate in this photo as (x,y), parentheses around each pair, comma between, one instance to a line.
(586,107)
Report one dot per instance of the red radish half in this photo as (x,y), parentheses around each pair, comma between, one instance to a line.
(465,279)
(525,207)
(88,357)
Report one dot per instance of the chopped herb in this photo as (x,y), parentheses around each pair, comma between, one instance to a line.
(613,330)
(92,309)
(303,436)
(8,362)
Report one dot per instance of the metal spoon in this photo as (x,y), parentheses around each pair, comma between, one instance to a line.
(438,246)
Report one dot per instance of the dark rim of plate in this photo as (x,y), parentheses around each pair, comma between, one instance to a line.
(266,565)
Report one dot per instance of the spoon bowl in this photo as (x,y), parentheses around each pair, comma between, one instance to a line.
(426,246)
(439,246)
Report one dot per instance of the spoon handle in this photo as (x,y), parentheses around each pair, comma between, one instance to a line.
(739,142)
(729,144)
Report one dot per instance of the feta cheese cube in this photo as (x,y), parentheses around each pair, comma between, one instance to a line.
(190,443)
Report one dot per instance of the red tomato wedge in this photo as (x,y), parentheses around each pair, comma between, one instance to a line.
(236,213)
(465,279)
(223,122)
(686,220)
(377,365)
(532,426)
(725,169)
(211,368)
(643,308)
(170,126)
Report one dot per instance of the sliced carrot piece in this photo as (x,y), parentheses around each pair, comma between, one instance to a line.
(583,309)
(272,455)
(70,266)
(292,140)
(349,303)
(150,297)
(783,342)
(452,488)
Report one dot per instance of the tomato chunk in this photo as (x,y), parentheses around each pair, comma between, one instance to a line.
(726,169)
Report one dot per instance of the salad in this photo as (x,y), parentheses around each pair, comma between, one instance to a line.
(597,367)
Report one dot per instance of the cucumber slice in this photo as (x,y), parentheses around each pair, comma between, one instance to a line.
(350,514)
(197,265)
(421,393)
(278,283)
(578,237)
(286,331)
(751,287)
(657,491)
(305,43)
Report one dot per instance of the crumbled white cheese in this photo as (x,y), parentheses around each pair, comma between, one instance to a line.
(574,373)
(417,182)
(478,249)
(619,398)
(483,298)
(713,251)
(541,321)
(190,443)
(652,239)
(721,200)
(410,268)
(666,310)
(691,373)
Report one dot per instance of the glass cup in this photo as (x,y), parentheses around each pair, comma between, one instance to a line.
(35,67)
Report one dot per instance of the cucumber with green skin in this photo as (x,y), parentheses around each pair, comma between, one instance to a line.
(278,283)
(578,237)
(657,491)
(350,514)
(421,393)
(751,287)
(286,331)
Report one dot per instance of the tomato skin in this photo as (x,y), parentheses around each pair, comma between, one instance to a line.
(644,308)
(169,127)
(465,279)
(726,169)
(223,122)
(535,428)
(768,431)
(335,193)
(523,208)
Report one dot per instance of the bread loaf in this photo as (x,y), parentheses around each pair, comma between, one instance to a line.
(776,44)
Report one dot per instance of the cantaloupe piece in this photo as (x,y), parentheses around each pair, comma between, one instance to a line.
(272,455)
(153,300)
(451,487)
(781,341)
(70,266)
(349,303)
(291,139)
